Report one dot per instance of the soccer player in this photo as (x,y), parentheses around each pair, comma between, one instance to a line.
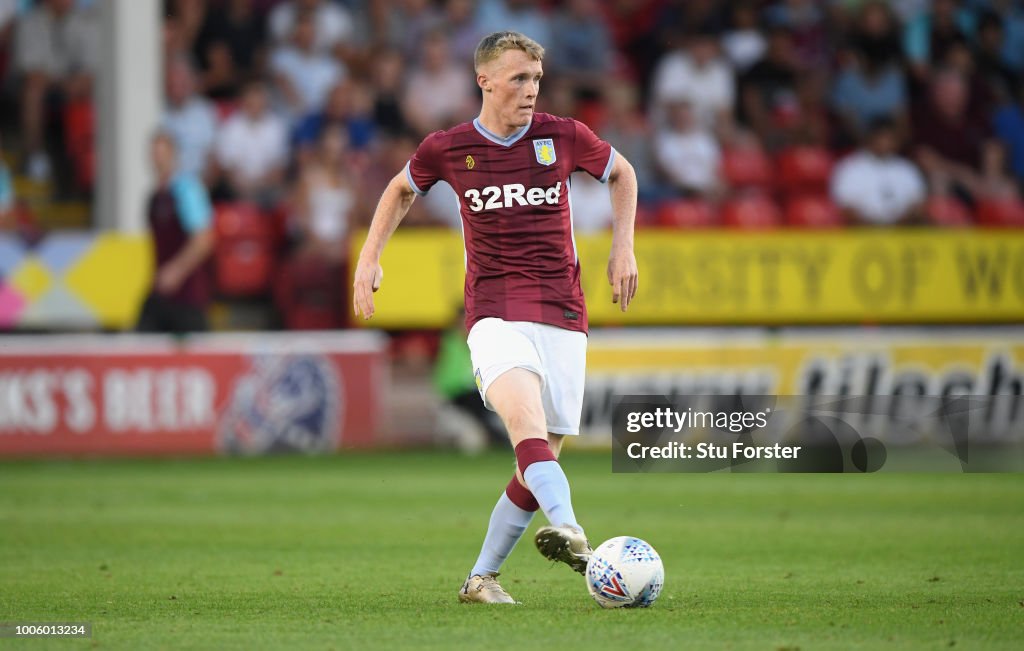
(525,312)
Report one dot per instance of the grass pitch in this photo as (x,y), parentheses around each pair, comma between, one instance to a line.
(367,552)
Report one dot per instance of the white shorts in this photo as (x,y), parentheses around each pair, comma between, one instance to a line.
(557,355)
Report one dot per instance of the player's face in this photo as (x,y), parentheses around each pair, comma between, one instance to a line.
(511,84)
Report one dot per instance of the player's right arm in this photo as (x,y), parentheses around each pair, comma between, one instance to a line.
(393,206)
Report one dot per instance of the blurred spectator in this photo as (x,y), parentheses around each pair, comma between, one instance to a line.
(325,200)
(981,96)
(1011,13)
(699,75)
(687,153)
(56,52)
(805,21)
(438,93)
(186,18)
(767,90)
(867,89)
(625,128)
(180,219)
(1009,126)
(303,74)
(405,24)
(991,66)
(995,181)
(928,35)
(333,25)
(874,185)
(947,142)
(228,48)
(252,150)
(523,16)
(744,43)
(387,73)
(189,118)
(583,50)
(875,38)
(464,31)
(350,105)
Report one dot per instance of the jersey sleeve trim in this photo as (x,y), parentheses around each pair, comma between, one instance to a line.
(412,184)
(608,167)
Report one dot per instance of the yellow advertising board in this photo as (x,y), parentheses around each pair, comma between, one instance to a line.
(729,277)
(844,362)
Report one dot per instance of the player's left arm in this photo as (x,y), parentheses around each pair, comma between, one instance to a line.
(622,270)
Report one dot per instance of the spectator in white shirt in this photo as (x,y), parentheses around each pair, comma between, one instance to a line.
(687,153)
(875,186)
(56,50)
(189,118)
(252,150)
(303,74)
(699,75)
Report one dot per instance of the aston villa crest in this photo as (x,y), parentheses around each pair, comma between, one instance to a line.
(545,150)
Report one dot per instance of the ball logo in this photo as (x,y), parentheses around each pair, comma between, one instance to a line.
(285,403)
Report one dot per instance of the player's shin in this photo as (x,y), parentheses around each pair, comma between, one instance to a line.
(509,519)
(546,480)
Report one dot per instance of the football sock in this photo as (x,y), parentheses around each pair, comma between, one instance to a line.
(546,480)
(509,519)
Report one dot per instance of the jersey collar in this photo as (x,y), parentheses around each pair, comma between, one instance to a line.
(495,138)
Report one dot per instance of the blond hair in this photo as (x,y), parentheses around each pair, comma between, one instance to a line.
(492,46)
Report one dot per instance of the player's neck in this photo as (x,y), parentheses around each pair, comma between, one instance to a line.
(495,125)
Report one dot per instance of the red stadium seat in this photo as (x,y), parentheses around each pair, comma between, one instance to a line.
(751,212)
(947,211)
(1001,213)
(813,211)
(804,169)
(747,167)
(687,213)
(244,252)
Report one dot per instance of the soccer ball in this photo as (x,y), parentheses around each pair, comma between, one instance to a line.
(625,572)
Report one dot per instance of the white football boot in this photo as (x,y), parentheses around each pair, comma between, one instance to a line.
(566,544)
(484,589)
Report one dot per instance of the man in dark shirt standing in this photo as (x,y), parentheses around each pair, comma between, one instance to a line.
(180,222)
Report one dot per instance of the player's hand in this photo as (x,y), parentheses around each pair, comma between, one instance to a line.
(169,279)
(367,280)
(623,276)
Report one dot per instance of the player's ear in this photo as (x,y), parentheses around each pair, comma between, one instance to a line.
(482,82)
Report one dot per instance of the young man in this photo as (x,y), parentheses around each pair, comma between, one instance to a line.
(525,311)
(181,224)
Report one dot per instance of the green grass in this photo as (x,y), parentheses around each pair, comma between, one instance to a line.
(367,552)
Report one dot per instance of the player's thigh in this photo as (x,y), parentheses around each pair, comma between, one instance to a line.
(563,354)
(516,396)
(496,346)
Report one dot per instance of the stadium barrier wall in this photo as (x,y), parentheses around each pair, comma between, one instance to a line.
(842,362)
(90,280)
(154,395)
(873,276)
(73,279)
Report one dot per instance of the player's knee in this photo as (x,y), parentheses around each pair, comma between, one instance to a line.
(525,421)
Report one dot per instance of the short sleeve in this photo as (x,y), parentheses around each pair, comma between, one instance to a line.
(193,203)
(424,168)
(591,154)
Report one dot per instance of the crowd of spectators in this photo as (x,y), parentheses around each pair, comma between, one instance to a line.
(306,108)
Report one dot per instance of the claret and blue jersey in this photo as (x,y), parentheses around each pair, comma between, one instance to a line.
(521,262)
